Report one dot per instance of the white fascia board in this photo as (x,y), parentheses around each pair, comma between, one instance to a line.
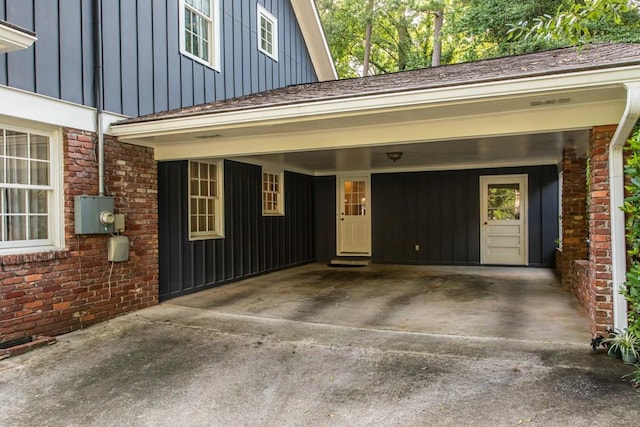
(314,37)
(363,104)
(517,122)
(32,107)
(12,39)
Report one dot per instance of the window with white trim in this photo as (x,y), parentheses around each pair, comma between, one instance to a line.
(272,193)
(200,31)
(206,217)
(29,191)
(267,33)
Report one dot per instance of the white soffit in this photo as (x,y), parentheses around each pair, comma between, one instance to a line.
(13,38)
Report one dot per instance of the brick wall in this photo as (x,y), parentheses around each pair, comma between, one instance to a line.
(56,292)
(582,289)
(574,213)
(600,229)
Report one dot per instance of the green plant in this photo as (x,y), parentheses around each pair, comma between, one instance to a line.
(626,343)
(631,207)
(634,377)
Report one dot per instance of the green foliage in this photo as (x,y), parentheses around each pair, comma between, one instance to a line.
(624,342)
(631,207)
(482,26)
(580,22)
(634,377)
(400,40)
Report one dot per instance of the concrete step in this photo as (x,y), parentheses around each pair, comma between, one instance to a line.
(349,262)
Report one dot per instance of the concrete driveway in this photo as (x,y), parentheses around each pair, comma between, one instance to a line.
(175,364)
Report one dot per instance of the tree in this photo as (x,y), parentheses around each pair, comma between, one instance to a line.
(585,21)
(367,39)
(479,29)
(383,36)
(400,35)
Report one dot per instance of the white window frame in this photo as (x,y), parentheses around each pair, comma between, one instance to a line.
(264,14)
(218,232)
(215,33)
(55,199)
(279,194)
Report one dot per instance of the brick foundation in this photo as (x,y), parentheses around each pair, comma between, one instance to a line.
(56,292)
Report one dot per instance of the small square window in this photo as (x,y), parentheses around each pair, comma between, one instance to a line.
(267,33)
(272,193)
(206,220)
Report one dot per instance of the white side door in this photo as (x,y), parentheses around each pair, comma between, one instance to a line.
(503,216)
(354,216)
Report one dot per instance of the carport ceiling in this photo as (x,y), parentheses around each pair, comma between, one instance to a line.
(513,150)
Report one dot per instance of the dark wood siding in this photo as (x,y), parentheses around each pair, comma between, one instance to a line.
(440,212)
(144,71)
(325,218)
(253,243)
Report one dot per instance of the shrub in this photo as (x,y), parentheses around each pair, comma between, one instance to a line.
(631,207)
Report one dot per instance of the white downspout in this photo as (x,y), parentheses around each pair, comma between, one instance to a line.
(616,195)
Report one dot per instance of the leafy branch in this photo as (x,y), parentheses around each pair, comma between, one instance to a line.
(576,24)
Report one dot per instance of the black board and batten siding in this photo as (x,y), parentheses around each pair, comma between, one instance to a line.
(440,211)
(253,243)
(144,71)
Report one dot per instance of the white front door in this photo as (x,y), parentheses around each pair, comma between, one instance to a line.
(503,216)
(354,216)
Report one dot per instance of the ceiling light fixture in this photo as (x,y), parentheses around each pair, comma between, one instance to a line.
(394,155)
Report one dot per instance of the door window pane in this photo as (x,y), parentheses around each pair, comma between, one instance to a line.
(355,200)
(503,202)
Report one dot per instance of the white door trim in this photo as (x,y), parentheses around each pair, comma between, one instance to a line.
(339,206)
(524,216)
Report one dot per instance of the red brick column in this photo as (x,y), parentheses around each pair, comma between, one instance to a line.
(600,229)
(574,213)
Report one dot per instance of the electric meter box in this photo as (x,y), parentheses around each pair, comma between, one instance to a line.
(94,214)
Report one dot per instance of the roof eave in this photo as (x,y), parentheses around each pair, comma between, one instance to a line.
(13,38)
(315,39)
(389,101)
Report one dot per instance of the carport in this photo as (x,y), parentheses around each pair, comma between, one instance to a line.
(489,302)
(401,168)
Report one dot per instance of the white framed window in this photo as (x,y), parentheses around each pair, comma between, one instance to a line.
(272,193)
(206,209)
(267,33)
(200,31)
(31,203)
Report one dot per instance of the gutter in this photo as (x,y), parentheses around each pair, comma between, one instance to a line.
(616,179)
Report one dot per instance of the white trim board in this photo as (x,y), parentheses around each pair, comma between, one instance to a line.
(23,105)
(12,39)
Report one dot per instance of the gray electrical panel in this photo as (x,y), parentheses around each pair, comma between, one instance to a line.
(94,214)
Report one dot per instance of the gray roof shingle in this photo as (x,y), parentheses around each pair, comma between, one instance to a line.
(556,61)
